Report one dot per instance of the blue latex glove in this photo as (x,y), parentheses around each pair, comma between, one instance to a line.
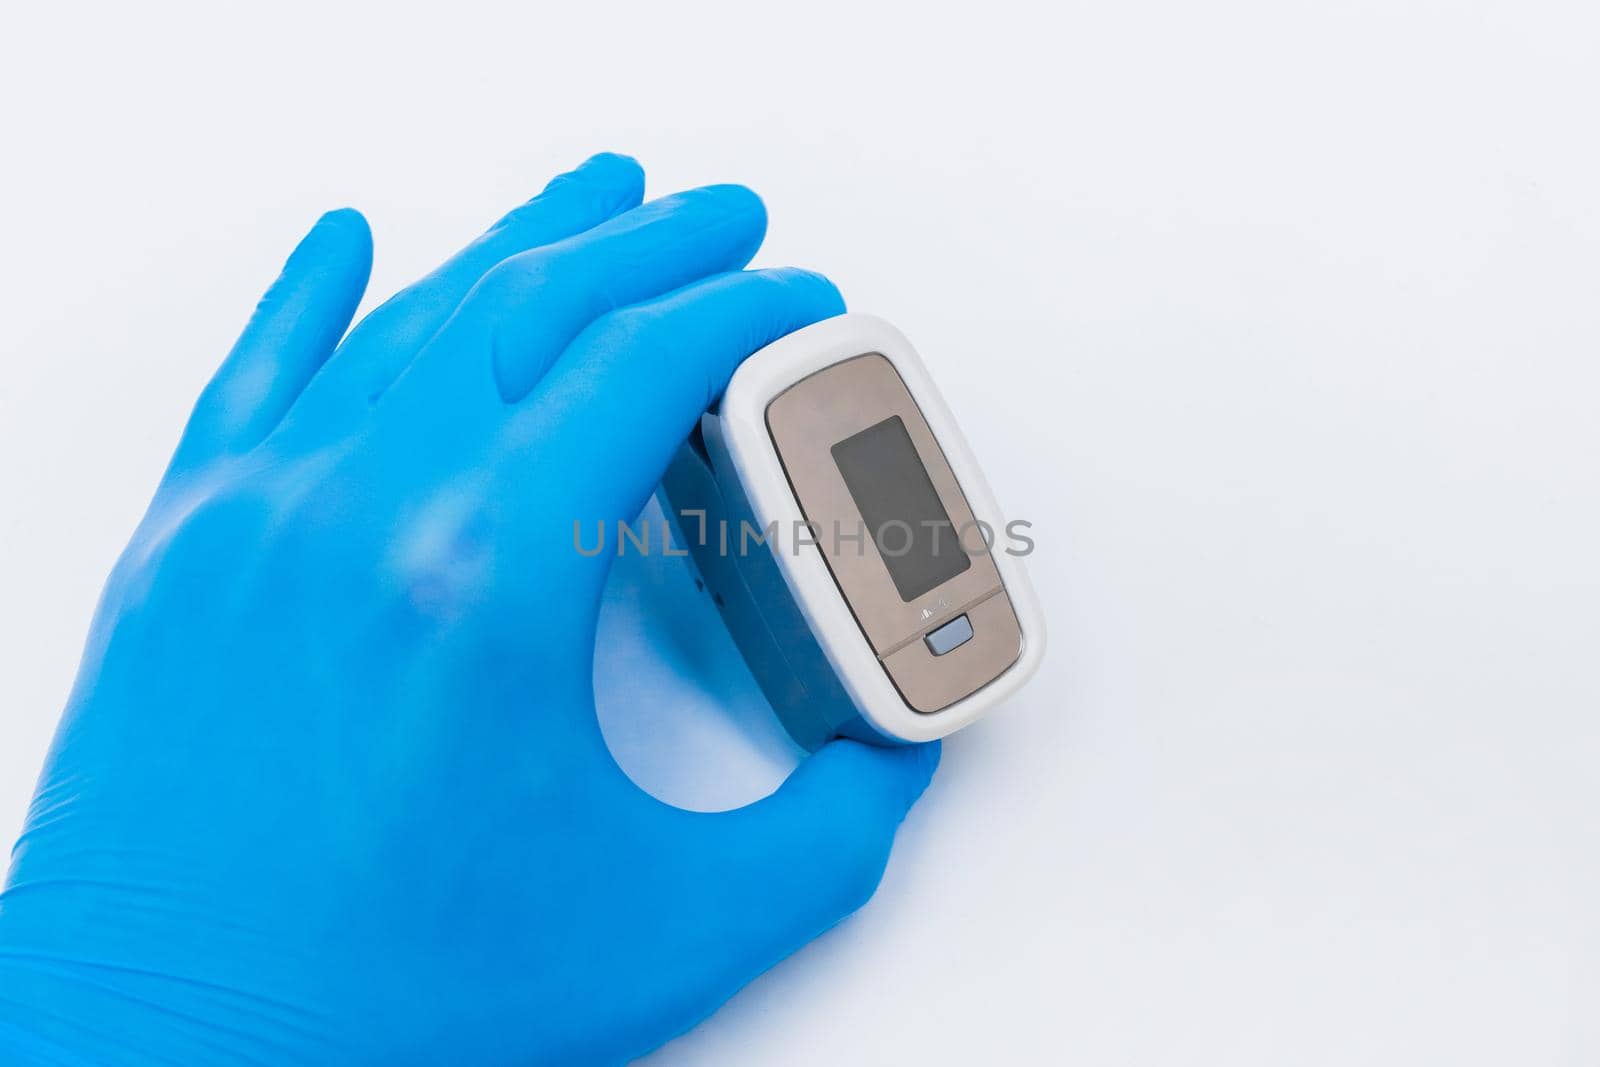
(330,786)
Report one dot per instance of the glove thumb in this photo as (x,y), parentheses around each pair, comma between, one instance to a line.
(817,847)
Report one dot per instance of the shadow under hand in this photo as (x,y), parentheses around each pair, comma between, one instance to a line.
(679,709)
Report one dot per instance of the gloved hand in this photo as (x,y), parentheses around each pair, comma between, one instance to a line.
(330,786)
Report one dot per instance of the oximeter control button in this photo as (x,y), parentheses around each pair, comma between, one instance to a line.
(950,636)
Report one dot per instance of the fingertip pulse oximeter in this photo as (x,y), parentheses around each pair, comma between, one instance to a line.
(851,543)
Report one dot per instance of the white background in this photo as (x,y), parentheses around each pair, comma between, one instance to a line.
(1279,319)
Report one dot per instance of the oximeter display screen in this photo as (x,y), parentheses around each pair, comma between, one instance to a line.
(901,508)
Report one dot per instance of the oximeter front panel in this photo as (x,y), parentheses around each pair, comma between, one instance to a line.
(875,602)
(898,535)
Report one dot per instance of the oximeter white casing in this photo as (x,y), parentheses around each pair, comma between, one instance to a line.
(833,425)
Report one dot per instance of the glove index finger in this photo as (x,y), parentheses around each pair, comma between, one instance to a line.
(629,389)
